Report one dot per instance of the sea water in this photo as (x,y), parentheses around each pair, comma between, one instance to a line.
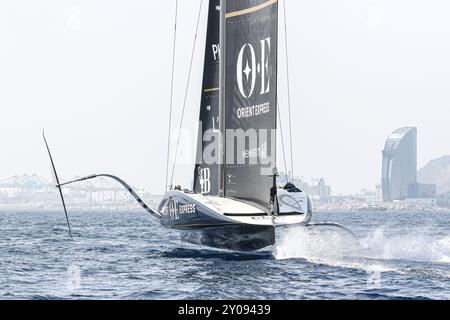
(127,255)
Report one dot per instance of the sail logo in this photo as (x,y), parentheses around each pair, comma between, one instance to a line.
(249,68)
(216,51)
(260,152)
(205,180)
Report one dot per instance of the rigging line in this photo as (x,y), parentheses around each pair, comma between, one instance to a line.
(282,142)
(171,95)
(288,89)
(187,91)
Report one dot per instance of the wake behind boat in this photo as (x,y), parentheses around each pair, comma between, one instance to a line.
(236,202)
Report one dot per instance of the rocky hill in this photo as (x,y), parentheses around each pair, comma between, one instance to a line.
(437,172)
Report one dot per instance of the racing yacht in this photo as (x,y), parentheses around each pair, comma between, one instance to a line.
(236,202)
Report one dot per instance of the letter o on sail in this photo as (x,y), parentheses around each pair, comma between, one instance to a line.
(250,68)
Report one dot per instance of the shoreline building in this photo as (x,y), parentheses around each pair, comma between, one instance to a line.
(399,169)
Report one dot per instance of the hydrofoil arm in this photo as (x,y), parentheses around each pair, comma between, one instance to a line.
(123,183)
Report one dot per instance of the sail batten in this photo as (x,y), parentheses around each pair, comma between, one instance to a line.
(250,10)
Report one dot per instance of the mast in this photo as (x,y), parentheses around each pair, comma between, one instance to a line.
(223,10)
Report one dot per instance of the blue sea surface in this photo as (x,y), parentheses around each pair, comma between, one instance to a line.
(129,256)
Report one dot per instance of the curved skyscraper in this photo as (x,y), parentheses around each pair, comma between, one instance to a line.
(399,173)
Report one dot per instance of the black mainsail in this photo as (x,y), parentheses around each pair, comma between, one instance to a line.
(206,175)
(250,40)
(239,102)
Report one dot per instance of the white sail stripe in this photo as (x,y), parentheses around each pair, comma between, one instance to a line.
(250,10)
(212,90)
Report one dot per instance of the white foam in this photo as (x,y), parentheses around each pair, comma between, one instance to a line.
(417,246)
(371,254)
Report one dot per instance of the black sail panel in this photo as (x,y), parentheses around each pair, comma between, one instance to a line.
(206,175)
(250,98)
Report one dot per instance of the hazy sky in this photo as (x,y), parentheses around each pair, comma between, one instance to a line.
(96,75)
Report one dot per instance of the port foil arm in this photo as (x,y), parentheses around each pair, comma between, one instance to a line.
(59,185)
(55,174)
(123,183)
